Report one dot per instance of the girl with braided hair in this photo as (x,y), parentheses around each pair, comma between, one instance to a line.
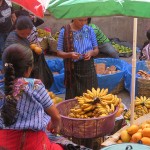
(27,107)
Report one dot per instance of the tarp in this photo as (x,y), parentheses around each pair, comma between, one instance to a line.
(57,65)
(109,81)
(140,65)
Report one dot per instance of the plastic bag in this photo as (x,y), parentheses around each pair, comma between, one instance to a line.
(42,71)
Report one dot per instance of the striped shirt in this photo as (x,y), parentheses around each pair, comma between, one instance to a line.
(101,37)
(31,104)
(33,38)
(83,40)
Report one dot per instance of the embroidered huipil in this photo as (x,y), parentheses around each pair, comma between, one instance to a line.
(83,40)
(32,99)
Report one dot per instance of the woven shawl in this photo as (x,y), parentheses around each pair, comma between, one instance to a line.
(68,62)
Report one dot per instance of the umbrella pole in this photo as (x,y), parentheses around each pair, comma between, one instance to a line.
(133,70)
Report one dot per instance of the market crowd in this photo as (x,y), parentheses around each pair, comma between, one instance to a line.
(26,110)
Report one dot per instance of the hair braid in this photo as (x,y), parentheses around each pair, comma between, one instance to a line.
(9,110)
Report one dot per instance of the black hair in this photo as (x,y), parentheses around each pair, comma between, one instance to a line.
(16,61)
(23,22)
(22,13)
(88,20)
(148,34)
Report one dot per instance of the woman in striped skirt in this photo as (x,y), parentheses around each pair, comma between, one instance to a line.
(77,44)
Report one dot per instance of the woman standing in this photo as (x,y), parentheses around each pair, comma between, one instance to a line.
(77,44)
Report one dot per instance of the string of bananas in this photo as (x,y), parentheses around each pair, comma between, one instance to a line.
(142,107)
(95,103)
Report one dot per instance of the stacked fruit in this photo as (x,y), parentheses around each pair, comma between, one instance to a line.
(121,48)
(95,103)
(142,107)
(136,134)
(43,33)
(55,98)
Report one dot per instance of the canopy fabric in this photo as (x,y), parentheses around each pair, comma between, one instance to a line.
(95,8)
(37,7)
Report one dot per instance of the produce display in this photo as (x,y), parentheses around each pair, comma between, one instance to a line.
(144,74)
(95,103)
(142,107)
(55,98)
(121,48)
(136,134)
(37,49)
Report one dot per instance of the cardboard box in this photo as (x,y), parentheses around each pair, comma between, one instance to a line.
(100,68)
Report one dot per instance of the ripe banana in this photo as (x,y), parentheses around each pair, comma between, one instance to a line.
(97,92)
(112,107)
(86,95)
(94,92)
(107,97)
(104,92)
(88,108)
(90,93)
(85,105)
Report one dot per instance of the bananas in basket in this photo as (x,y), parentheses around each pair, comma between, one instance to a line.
(142,107)
(95,103)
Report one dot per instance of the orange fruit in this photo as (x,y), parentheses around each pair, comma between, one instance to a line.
(33,45)
(125,137)
(38,50)
(119,112)
(133,129)
(146,140)
(146,132)
(136,137)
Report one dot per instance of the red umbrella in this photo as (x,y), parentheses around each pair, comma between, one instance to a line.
(37,7)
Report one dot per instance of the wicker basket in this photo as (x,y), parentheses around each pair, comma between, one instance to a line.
(84,128)
(143,87)
(118,88)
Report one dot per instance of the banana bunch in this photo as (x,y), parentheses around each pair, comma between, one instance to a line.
(127,115)
(43,33)
(147,103)
(142,107)
(95,103)
(140,100)
(55,36)
(143,100)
